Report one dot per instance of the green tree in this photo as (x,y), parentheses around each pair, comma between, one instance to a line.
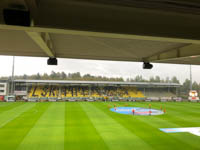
(151,79)
(37,77)
(157,79)
(53,75)
(167,80)
(174,80)
(138,78)
(45,76)
(25,76)
(186,86)
(63,75)
(195,86)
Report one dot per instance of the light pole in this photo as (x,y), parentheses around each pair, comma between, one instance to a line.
(12,79)
(190,77)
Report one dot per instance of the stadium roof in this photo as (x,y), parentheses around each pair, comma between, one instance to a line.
(165,31)
(146,84)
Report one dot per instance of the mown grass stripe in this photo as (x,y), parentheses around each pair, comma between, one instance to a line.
(11,114)
(159,122)
(48,131)
(183,108)
(14,132)
(158,140)
(83,123)
(163,121)
(114,134)
(80,134)
(182,116)
(186,104)
(9,106)
(177,117)
(2,104)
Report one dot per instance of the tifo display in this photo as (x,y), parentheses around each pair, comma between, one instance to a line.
(83,91)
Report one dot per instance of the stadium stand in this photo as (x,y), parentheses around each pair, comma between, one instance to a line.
(83,91)
(64,90)
(159,93)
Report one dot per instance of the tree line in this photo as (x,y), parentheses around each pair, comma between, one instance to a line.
(88,77)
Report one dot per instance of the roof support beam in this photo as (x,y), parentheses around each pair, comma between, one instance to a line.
(44,41)
(192,50)
(98,34)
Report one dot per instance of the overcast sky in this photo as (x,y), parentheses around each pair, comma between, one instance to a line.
(33,65)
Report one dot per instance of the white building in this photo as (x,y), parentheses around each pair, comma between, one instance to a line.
(3,89)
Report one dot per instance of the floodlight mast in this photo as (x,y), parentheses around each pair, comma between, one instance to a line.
(190,77)
(12,78)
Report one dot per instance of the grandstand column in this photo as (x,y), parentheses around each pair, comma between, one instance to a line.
(89,90)
(178,91)
(59,92)
(168,89)
(12,79)
(101,91)
(8,87)
(144,91)
(27,91)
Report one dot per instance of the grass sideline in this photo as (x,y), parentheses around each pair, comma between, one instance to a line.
(92,126)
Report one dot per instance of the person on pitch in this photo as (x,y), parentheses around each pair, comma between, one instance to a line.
(133,111)
(149,109)
(164,111)
(149,106)
(150,112)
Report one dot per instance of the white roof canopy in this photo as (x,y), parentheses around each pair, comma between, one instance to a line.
(111,83)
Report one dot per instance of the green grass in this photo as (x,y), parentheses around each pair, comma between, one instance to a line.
(92,126)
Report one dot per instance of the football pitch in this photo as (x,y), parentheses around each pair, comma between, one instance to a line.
(92,126)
